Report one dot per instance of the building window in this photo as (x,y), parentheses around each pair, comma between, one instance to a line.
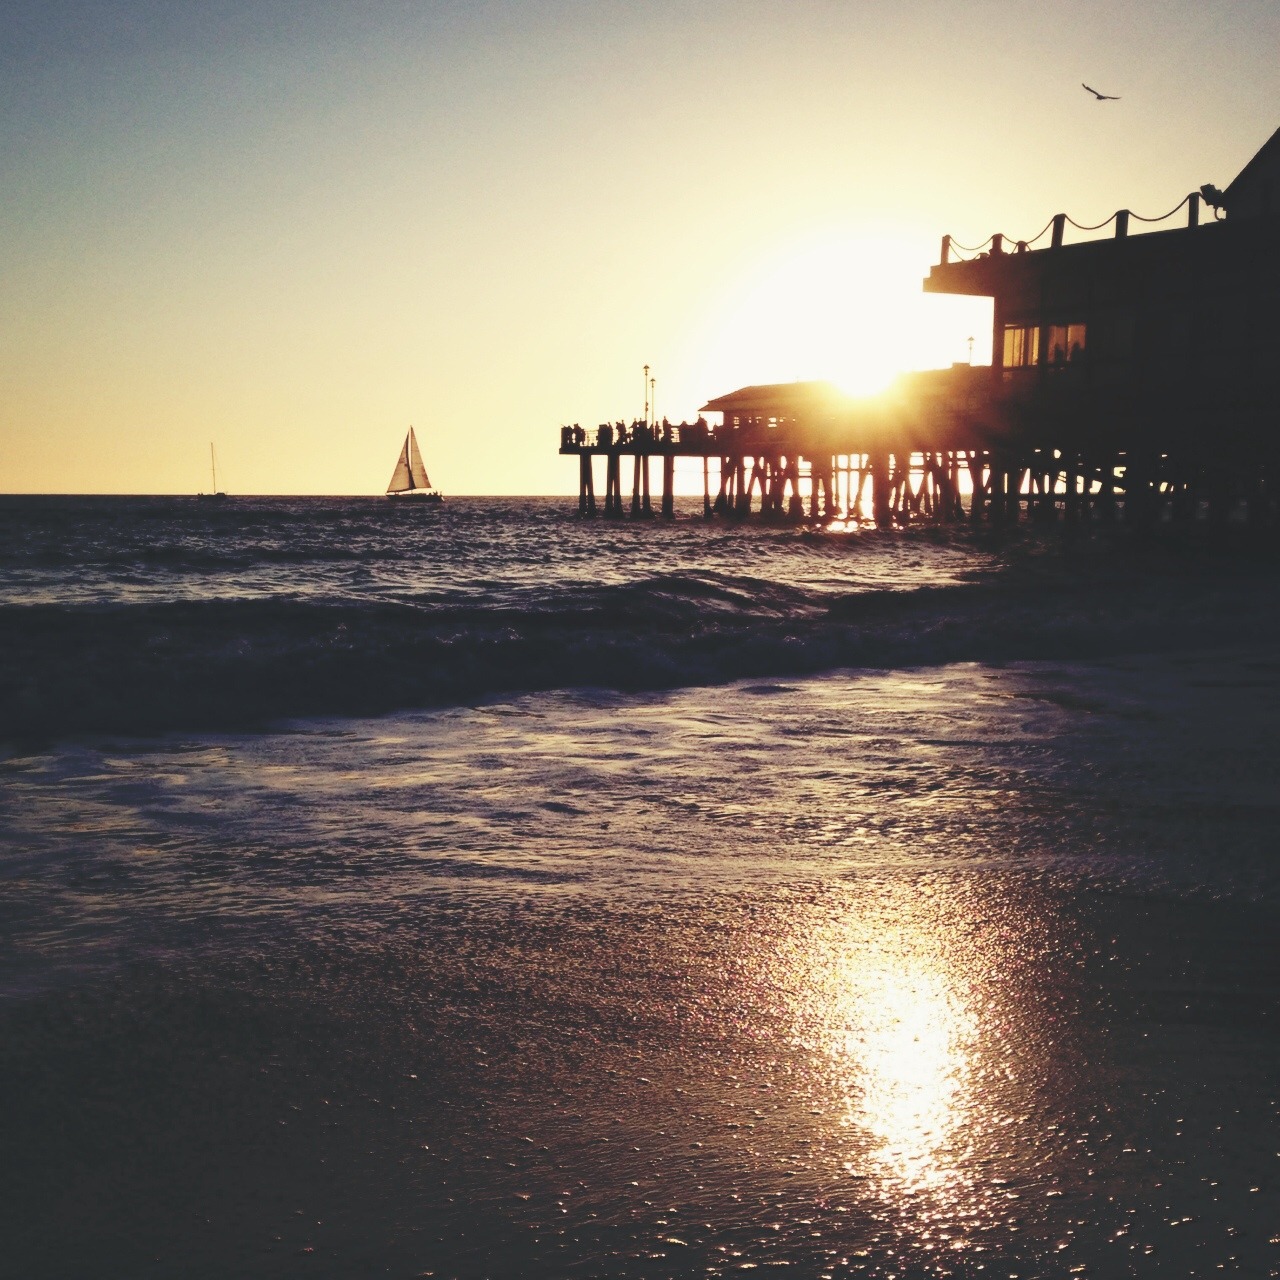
(1067,343)
(1021,346)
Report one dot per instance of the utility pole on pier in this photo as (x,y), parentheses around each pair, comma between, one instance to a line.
(646,395)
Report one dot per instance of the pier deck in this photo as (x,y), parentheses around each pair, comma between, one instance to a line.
(942,446)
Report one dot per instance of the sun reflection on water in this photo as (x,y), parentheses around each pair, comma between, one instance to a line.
(909,1066)
(904,1007)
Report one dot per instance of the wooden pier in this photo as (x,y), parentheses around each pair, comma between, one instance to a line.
(794,451)
(1133,376)
(932,451)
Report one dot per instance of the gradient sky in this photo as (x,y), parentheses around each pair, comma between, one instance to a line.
(297,228)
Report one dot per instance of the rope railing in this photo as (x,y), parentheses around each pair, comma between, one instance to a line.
(957,251)
(952,251)
(964,248)
(1079,226)
(1176,208)
(1038,236)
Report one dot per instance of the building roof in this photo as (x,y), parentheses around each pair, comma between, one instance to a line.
(782,399)
(1255,190)
(1264,157)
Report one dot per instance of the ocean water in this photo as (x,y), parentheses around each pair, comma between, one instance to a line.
(160,613)
(479,891)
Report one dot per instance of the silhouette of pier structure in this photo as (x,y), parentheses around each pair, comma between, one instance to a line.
(1132,375)
(799,451)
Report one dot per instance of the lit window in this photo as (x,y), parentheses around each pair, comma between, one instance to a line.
(1021,346)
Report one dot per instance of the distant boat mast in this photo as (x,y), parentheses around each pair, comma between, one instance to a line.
(213,473)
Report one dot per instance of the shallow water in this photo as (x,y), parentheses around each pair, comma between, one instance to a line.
(962,969)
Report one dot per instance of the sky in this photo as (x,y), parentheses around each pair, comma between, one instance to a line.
(295,229)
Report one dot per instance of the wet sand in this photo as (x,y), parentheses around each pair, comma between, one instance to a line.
(961,972)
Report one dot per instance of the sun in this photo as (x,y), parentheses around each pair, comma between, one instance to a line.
(842,304)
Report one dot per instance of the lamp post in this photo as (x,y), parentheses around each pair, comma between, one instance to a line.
(653,400)
(646,395)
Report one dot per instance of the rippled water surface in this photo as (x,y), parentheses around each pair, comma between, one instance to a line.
(492,550)
(146,615)
(958,969)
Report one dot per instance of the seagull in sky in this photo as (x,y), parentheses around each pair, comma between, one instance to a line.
(1101,97)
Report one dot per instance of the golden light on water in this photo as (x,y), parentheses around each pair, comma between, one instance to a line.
(909,1012)
(909,1069)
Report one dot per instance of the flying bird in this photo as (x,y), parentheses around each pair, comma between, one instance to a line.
(1101,97)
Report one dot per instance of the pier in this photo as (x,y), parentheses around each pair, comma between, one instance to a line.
(1133,376)
(941,447)
(796,451)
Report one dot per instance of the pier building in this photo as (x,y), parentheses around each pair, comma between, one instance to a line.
(1133,373)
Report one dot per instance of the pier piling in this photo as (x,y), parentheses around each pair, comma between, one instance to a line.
(802,454)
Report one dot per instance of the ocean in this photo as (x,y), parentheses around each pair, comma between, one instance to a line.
(476,890)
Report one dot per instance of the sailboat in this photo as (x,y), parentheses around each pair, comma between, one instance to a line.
(217,495)
(409,480)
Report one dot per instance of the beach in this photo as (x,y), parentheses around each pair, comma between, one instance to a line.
(869,907)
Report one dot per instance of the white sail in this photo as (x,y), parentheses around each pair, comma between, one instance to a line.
(410,477)
(417,472)
(401,479)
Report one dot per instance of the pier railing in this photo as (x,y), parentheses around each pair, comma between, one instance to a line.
(999,243)
(636,435)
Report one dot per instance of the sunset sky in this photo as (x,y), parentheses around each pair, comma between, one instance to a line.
(294,229)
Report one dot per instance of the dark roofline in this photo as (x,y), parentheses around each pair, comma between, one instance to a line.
(813,393)
(1272,143)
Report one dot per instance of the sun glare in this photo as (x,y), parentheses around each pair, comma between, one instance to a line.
(843,305)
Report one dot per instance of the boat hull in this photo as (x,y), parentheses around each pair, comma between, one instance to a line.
(417,496)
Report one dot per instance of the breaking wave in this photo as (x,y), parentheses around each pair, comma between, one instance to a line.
(232,663)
